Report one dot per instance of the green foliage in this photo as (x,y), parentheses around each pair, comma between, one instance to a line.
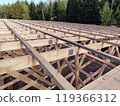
(5,11)
(26,2)
(25,14)
(17,10)
(40,11)
(58,10)
(117,16)
(79,11)
(91,14)
(33,11)
(102,2)
(83,11)
(105,14)
(118,21)
(46,12)
(116,12)
(72,11)
(50,10)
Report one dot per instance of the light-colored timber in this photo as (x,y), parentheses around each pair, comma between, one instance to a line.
(58,55)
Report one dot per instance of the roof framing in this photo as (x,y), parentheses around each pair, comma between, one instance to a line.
(57,43)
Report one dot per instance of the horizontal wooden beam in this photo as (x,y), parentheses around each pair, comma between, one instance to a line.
(6,38)
(58,79)
(18,63)
(82,46)
(82,34)
(12,38)
(82,31)
(4,46)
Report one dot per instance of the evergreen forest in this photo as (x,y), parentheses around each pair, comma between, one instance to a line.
(99,12)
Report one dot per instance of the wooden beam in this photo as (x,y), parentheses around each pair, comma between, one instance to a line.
(85,73)
(71,68)
(82,59)
(88,79)
(10,83)
(1,81)
(9,65)
(4,46)
(26,37)
(100,60)
(68,31)
(77,71)
(117,51)
(72,79)
(38,76)
(58,61)
(57,77)
(79,45)
(109,81)
(107,60)
(27,80)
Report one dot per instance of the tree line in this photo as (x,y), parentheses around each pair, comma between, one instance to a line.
(100,12)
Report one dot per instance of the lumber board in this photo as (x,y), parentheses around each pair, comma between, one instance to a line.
(76,71)
(26,37)
(65,33)
(109,81)
(27,80)
(81,46)
(57,77)
(38,76)
(1,81)
(18,63)
(92,35)
(4,46)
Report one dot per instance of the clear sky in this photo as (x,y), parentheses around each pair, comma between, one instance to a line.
(13,1)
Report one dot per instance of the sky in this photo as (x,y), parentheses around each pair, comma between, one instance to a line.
(13,1)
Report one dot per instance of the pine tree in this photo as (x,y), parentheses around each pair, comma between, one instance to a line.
(2,12)
(58,10)
(118,21)
(72,10)
(25,13)
(118,16)
(80,12)
(33,11)
(26,2)
(40,11)
(63,14)
(45,11)
(83,11)
(5,11)
(17,10)
(91,12)
(50,10)
(116,12)
(105,14)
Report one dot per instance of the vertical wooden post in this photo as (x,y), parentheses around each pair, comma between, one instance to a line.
(77,71)
(1,81)
(58,61)
(117,51)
